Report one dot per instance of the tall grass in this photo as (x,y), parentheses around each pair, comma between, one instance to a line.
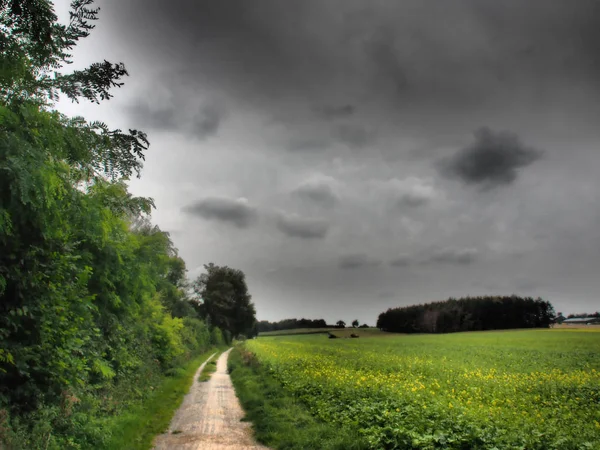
(136,429)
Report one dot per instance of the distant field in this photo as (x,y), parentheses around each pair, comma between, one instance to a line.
(532,389)
(340,332)
(593,327)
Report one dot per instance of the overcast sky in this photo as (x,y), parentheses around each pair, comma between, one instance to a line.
(355,155)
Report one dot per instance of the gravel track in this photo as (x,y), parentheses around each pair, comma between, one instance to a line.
(209,417)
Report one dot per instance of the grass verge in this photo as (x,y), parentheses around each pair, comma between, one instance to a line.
(136,429)
(280,420)
(209,369)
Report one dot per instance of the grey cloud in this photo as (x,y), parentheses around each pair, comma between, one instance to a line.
(273,53)
(492,160)
(302,227)
(309,145)
(356,261)
(413,200)
(235,211)
(411,192)
(380,49)
(162,119)
(401,261)
(447,255)
(335,112)
(355,136)
(385,78)
(526,285)
(453,255)
(207,122)
(317,190)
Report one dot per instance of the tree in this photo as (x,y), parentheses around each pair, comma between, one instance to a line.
(224,299)
(355,323)
(340,324)
(88,287)
(469,314)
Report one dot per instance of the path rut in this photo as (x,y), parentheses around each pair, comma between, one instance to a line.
(209,417)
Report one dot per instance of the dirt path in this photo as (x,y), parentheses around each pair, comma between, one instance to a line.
(209,417)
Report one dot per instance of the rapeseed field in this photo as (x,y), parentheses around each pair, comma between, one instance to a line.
(537,389)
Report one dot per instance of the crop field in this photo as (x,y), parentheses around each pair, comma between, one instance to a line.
(536,389)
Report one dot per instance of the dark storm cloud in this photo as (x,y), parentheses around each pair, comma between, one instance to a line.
(207,122)
(155,118)
(407,55)
(356,261)
(235,211)
(492,160)
(302,227)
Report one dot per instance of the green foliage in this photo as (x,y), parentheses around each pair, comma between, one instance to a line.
(216,337)
(224,300)
(512,389)
(93,309)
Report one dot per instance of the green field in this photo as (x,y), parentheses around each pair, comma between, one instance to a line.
(536,389)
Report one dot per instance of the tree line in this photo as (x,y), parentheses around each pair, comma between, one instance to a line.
(290,324)
(263,326)
(95,306)
(468,314)
(583,315)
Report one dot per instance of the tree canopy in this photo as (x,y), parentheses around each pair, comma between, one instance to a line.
(92,295)
(469,314)
(290,324)
(224,299)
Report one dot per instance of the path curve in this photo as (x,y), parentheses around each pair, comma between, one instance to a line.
(209,417)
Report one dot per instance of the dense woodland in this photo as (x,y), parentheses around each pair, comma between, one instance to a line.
(94,309)
(468,314)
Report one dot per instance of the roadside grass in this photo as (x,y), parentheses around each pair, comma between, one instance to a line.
(209,369)
(136,429)
(279,420)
